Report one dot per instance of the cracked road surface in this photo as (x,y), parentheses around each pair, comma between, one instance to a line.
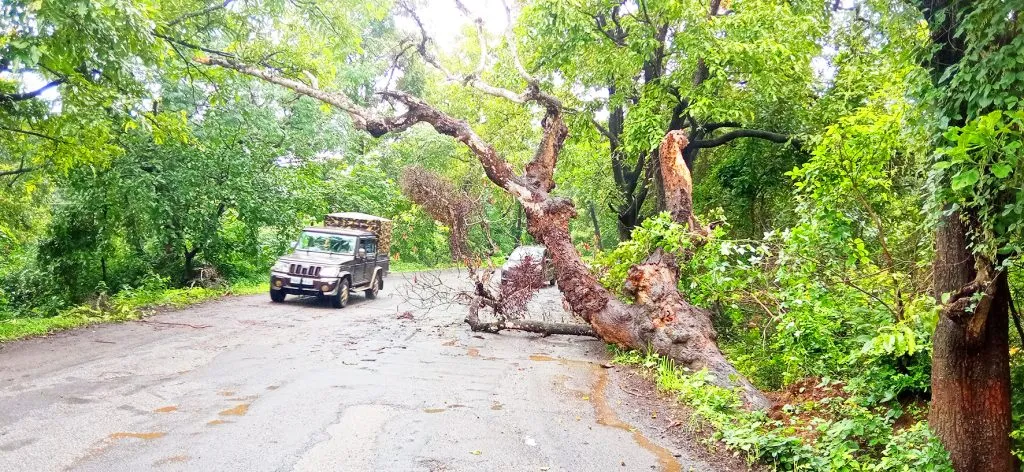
(241,384)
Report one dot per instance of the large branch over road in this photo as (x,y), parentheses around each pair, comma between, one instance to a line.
(660,319)
(745,133)
(443,202)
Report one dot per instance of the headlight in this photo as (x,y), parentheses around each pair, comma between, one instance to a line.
(280,267)
(329,272)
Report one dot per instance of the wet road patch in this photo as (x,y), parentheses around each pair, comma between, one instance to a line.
(239,410)
(146,436)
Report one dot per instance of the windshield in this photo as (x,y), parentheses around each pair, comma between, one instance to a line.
(521,253)
(324,242)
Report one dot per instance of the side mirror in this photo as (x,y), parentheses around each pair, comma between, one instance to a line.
(361,253)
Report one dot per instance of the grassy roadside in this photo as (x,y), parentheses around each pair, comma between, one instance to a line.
(817,429)
(125,306)
(133,304)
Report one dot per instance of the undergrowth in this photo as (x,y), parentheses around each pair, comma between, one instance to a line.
(814,432)
(128,304)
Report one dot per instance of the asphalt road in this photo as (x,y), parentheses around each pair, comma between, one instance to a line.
(241,384)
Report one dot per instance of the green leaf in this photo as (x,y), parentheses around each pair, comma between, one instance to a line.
(965,179)
(1001,170)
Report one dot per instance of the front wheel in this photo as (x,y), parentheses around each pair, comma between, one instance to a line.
(341,299)
(277,296)
(373,292)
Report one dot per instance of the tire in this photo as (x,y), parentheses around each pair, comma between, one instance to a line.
(277,296)
(372,293)
(341,299)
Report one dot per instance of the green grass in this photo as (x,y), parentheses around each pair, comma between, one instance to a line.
(125,306)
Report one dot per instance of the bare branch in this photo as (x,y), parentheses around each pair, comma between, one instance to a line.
(482,64)
(196,47)
(444,202)
(612,138)
(746,133)
(709,127)
(510,37)
(18,171)
(203,12)
(616,36)
(17,97)
(33,133)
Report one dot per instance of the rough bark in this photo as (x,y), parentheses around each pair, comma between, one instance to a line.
(970,408)
(660,320)
(676,180)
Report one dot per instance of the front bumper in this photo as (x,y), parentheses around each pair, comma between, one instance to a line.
(296,285)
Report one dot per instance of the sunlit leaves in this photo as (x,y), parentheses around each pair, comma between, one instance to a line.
(983,166)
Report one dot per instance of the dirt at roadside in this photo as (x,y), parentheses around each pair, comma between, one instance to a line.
(663,419)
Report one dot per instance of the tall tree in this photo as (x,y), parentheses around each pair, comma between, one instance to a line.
(652,66)
(977,70)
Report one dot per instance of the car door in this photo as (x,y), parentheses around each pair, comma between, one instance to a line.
(370,246)
(359,264)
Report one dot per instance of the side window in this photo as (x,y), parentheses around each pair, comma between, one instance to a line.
(371,247)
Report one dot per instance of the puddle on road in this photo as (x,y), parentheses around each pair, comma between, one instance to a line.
(572,362)
(606,416)
(435,410)
(239,410)
(146,436)
(215,422)
(227,393)
(473,352)
(166,409)
(497,406)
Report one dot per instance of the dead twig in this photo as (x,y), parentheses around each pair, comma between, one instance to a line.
(167,323)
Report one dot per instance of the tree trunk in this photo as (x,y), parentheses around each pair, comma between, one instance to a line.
(189,262)
(519,224)
(676,180)
(660,320)
(597,227)
(970,409)
(531,326)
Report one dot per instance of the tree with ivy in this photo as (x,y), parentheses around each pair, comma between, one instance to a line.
(976,64)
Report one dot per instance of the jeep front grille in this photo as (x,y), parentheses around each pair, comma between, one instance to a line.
(308,271)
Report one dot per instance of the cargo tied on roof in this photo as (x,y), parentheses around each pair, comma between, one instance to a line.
(379,226)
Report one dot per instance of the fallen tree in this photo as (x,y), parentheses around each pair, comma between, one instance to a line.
(444,203)
(660,319)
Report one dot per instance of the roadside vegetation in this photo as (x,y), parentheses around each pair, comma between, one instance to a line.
(126,305)
(818,425)
(805,218)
